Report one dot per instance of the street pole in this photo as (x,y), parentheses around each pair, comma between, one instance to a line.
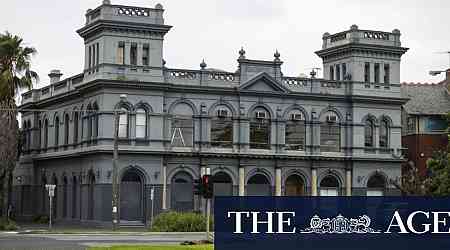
(207,171)
(51,192)
(115,190)
(152,198)
(50,217)
(208,211)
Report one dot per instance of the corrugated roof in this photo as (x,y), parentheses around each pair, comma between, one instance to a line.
(426,99)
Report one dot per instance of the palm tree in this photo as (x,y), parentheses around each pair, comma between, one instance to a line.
(15,75)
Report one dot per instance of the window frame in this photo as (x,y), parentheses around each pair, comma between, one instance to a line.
(124,113)
(369,124)
(257,123)
(121,53)
(141,112)
(384,124)
(296,124)
(183,123)
(329,126)
(227,123)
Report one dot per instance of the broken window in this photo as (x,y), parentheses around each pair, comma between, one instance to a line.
(182,132)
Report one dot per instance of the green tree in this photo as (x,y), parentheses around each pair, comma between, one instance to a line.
(15,75)
(439,167)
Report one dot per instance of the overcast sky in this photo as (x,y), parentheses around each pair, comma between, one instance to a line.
(216,29)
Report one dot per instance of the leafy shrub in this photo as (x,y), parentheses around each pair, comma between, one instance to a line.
(7,225)
(180,222)
(41,219)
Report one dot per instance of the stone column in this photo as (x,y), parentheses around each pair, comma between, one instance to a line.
(164,191)
(348,182)
(314,182)
(277,181)
(241,181)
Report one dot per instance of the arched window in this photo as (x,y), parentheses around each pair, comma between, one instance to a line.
(66,129)
(74,196)
(295,133)
(329,186)
(64,193)
(330,133)
(40,135)
(384,134)
(376,185)
(45,134)
(89,121)
(56,127)
(123,123)
(75,128)
(141,123)
(369,136)
(29,130)
(182,134)
(23,138)
(94,120)
(222,128)
(260,129)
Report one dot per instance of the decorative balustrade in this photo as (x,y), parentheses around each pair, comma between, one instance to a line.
(331,84)
(221,76)
(183,74)
(294,81)
(338,37)
(376,35)
(133,11)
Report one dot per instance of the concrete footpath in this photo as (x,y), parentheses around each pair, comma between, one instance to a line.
(80,241)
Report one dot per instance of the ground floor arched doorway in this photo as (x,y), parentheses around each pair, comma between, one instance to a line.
(132,196)
(258,185)
(223,184)
(294,186)
(182,192)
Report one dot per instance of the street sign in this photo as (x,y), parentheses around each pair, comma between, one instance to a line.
(50,189)
(152,194)
(51,193)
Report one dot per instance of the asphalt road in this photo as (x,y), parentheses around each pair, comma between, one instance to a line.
(82,242)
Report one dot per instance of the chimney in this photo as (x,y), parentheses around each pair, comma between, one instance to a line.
(55,76)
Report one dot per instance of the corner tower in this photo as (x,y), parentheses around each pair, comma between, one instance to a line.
(369,57)
(124,42)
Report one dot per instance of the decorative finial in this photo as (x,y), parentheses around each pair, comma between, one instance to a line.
(277,55)
(203,64)
(158,6)
(242,53)
(107,2)
(354,27)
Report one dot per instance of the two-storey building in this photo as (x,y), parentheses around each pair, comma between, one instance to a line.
(259,131)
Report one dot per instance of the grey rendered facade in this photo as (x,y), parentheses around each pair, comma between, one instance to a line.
(260,132)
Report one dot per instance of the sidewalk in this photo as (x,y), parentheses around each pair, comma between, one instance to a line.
(86,230)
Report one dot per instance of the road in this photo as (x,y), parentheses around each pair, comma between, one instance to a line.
(10,241)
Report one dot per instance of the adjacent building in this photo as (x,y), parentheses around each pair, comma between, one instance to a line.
(425,120)
(259,131)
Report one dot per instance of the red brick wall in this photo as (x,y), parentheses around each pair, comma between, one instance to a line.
(423,143)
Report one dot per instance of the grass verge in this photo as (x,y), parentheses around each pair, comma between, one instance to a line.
(143,247)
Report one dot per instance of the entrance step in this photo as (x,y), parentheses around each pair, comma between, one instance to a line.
(131,224)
